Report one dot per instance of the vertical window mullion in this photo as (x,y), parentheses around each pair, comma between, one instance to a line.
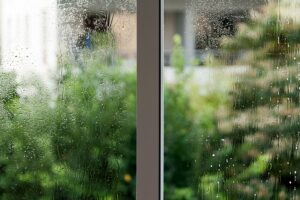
(148,98)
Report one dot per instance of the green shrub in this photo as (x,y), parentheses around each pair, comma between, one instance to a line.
(81,145)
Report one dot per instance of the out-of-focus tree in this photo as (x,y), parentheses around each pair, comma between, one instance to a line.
(257,156)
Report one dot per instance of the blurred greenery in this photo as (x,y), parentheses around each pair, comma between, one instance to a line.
(258,155)
(81,145)
(244,144)
(189,122)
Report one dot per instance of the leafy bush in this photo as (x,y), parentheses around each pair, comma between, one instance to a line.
(80,145)
(258,156)
(189,120)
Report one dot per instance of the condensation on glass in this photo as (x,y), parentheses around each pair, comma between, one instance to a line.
(232,99)
(67,99)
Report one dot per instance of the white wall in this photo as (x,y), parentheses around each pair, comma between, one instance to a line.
(29,37)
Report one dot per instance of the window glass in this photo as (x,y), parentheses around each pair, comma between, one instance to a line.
(67,99)
(231,80)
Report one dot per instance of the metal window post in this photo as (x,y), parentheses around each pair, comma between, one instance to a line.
(148,184)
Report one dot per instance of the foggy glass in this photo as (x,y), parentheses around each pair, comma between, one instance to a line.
(231,99)
(67,99)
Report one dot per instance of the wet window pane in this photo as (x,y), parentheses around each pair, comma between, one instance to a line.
(231,81)
(67,99)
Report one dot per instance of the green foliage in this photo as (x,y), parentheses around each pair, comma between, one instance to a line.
(188,121)
(25,159)
(249,148)
(89,114)
(104,40)
(177,57)
(210,187)
(258,155)
(81,145)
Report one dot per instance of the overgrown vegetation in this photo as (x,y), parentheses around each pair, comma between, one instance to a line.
(238,145)
(189,122)
(257,155)
(81,146)
(245,147)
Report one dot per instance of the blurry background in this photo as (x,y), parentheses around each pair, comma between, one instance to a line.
(67,99)
(34,32)
(201,24)
(231,88)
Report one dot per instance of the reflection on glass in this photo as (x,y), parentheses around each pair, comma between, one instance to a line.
(232,126)
(67,99)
